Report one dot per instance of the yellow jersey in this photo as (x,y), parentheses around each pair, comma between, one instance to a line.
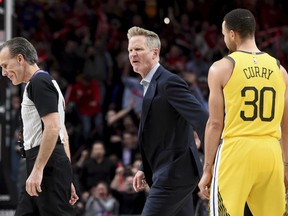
(254,96)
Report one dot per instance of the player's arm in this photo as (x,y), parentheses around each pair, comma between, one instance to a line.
(215,121)
(219,74)
(284,129)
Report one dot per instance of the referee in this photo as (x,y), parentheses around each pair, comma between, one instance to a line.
(49,188)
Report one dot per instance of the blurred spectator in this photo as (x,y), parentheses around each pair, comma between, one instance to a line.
(283,45)
(15,129)
(131,202)
(73,126)
(84,156)
(116,123)
(203,85)
(85,93)
(200,43)
(268,9)
(112,116)
(197,64)
(131,122)
(70,62)
(98,66)
(30,14)
(191,79)
(219,50)
(97,168)
(101,202)
(183,30)
(134,14)
(175,60)
(133,93)
(129,148)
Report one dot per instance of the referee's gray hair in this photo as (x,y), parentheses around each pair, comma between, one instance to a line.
(152,39)
(20,45)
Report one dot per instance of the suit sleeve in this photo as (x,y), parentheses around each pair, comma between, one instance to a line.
(182,99)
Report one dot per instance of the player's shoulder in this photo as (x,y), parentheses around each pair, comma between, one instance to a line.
(224,64)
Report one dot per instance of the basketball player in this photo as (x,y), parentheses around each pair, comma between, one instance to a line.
(248,108)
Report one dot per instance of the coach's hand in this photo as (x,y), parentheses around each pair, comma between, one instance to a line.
(139,181)
(33,183)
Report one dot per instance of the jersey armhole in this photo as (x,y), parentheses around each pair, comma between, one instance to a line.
(233,64)
(230,59)
(278,63)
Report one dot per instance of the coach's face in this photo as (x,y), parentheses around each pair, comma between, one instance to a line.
(141,57)
(11,66)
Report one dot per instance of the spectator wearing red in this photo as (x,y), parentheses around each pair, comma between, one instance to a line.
(85,93)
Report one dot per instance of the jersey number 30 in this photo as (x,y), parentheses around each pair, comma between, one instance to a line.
(257,103)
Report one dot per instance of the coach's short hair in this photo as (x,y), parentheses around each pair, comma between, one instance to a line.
(241,21)
(152,38)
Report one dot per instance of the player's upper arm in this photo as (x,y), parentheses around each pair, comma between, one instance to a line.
(218,76)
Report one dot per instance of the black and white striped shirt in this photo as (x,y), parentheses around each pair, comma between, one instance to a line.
(41,96)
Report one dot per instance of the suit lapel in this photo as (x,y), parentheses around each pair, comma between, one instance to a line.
(147,100)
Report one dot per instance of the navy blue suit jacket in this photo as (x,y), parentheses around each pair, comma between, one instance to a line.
(169,115)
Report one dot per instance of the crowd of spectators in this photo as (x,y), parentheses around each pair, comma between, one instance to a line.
(83,44)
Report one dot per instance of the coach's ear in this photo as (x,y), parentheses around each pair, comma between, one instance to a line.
(155,53)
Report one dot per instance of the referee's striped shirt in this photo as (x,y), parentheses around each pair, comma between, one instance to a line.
(41,96)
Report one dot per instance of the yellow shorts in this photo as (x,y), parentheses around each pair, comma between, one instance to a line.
(248,170)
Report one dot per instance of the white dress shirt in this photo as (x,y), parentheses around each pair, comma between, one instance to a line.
(147,79)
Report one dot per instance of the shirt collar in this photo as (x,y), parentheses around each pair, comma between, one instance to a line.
(149,76)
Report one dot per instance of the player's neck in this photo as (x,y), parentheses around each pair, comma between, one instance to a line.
(248,46)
